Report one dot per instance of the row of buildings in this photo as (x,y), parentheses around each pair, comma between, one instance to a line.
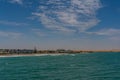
(30,51)
(17,51)
(33,51)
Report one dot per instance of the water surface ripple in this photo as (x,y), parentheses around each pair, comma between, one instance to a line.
(91,66)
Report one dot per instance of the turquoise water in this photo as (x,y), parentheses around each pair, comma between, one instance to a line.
(93,66)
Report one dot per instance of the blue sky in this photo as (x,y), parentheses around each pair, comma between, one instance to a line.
(53,24)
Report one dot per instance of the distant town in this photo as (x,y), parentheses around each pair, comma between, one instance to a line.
(35,51)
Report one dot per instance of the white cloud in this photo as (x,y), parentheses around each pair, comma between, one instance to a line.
(72,15)
(10,34)
(111,34)
(52,24)
(11,23)
(106,32)
(17,1)
(39,32)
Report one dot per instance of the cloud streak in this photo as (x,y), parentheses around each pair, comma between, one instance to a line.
(106,32)
(39,32)
(16,1)
(70,15)
(111,33)
(10,34)
(11,23)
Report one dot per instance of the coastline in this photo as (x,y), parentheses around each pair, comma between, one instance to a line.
(51,54)
(37,54)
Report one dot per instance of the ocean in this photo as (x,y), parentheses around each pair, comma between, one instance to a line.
(86,66)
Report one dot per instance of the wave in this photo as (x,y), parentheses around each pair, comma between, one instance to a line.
(24,55)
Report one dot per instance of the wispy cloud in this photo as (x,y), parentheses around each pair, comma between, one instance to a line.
(111,33)
(10,34)
(53,25)
(68,15)
(106,32)
(13,23)
(16,1)
(44,33)
(39,32)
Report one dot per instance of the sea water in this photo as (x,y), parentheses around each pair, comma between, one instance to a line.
(88,66)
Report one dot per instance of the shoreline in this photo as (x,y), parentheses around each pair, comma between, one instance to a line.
(51,54)
(44,54)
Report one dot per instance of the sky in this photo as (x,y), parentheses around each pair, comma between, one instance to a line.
(60,24)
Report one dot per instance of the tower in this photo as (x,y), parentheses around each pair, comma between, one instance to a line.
(35,50)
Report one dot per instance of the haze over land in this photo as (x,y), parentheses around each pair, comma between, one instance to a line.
(60,24)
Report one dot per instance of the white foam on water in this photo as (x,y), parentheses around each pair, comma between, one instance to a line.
(23,55)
